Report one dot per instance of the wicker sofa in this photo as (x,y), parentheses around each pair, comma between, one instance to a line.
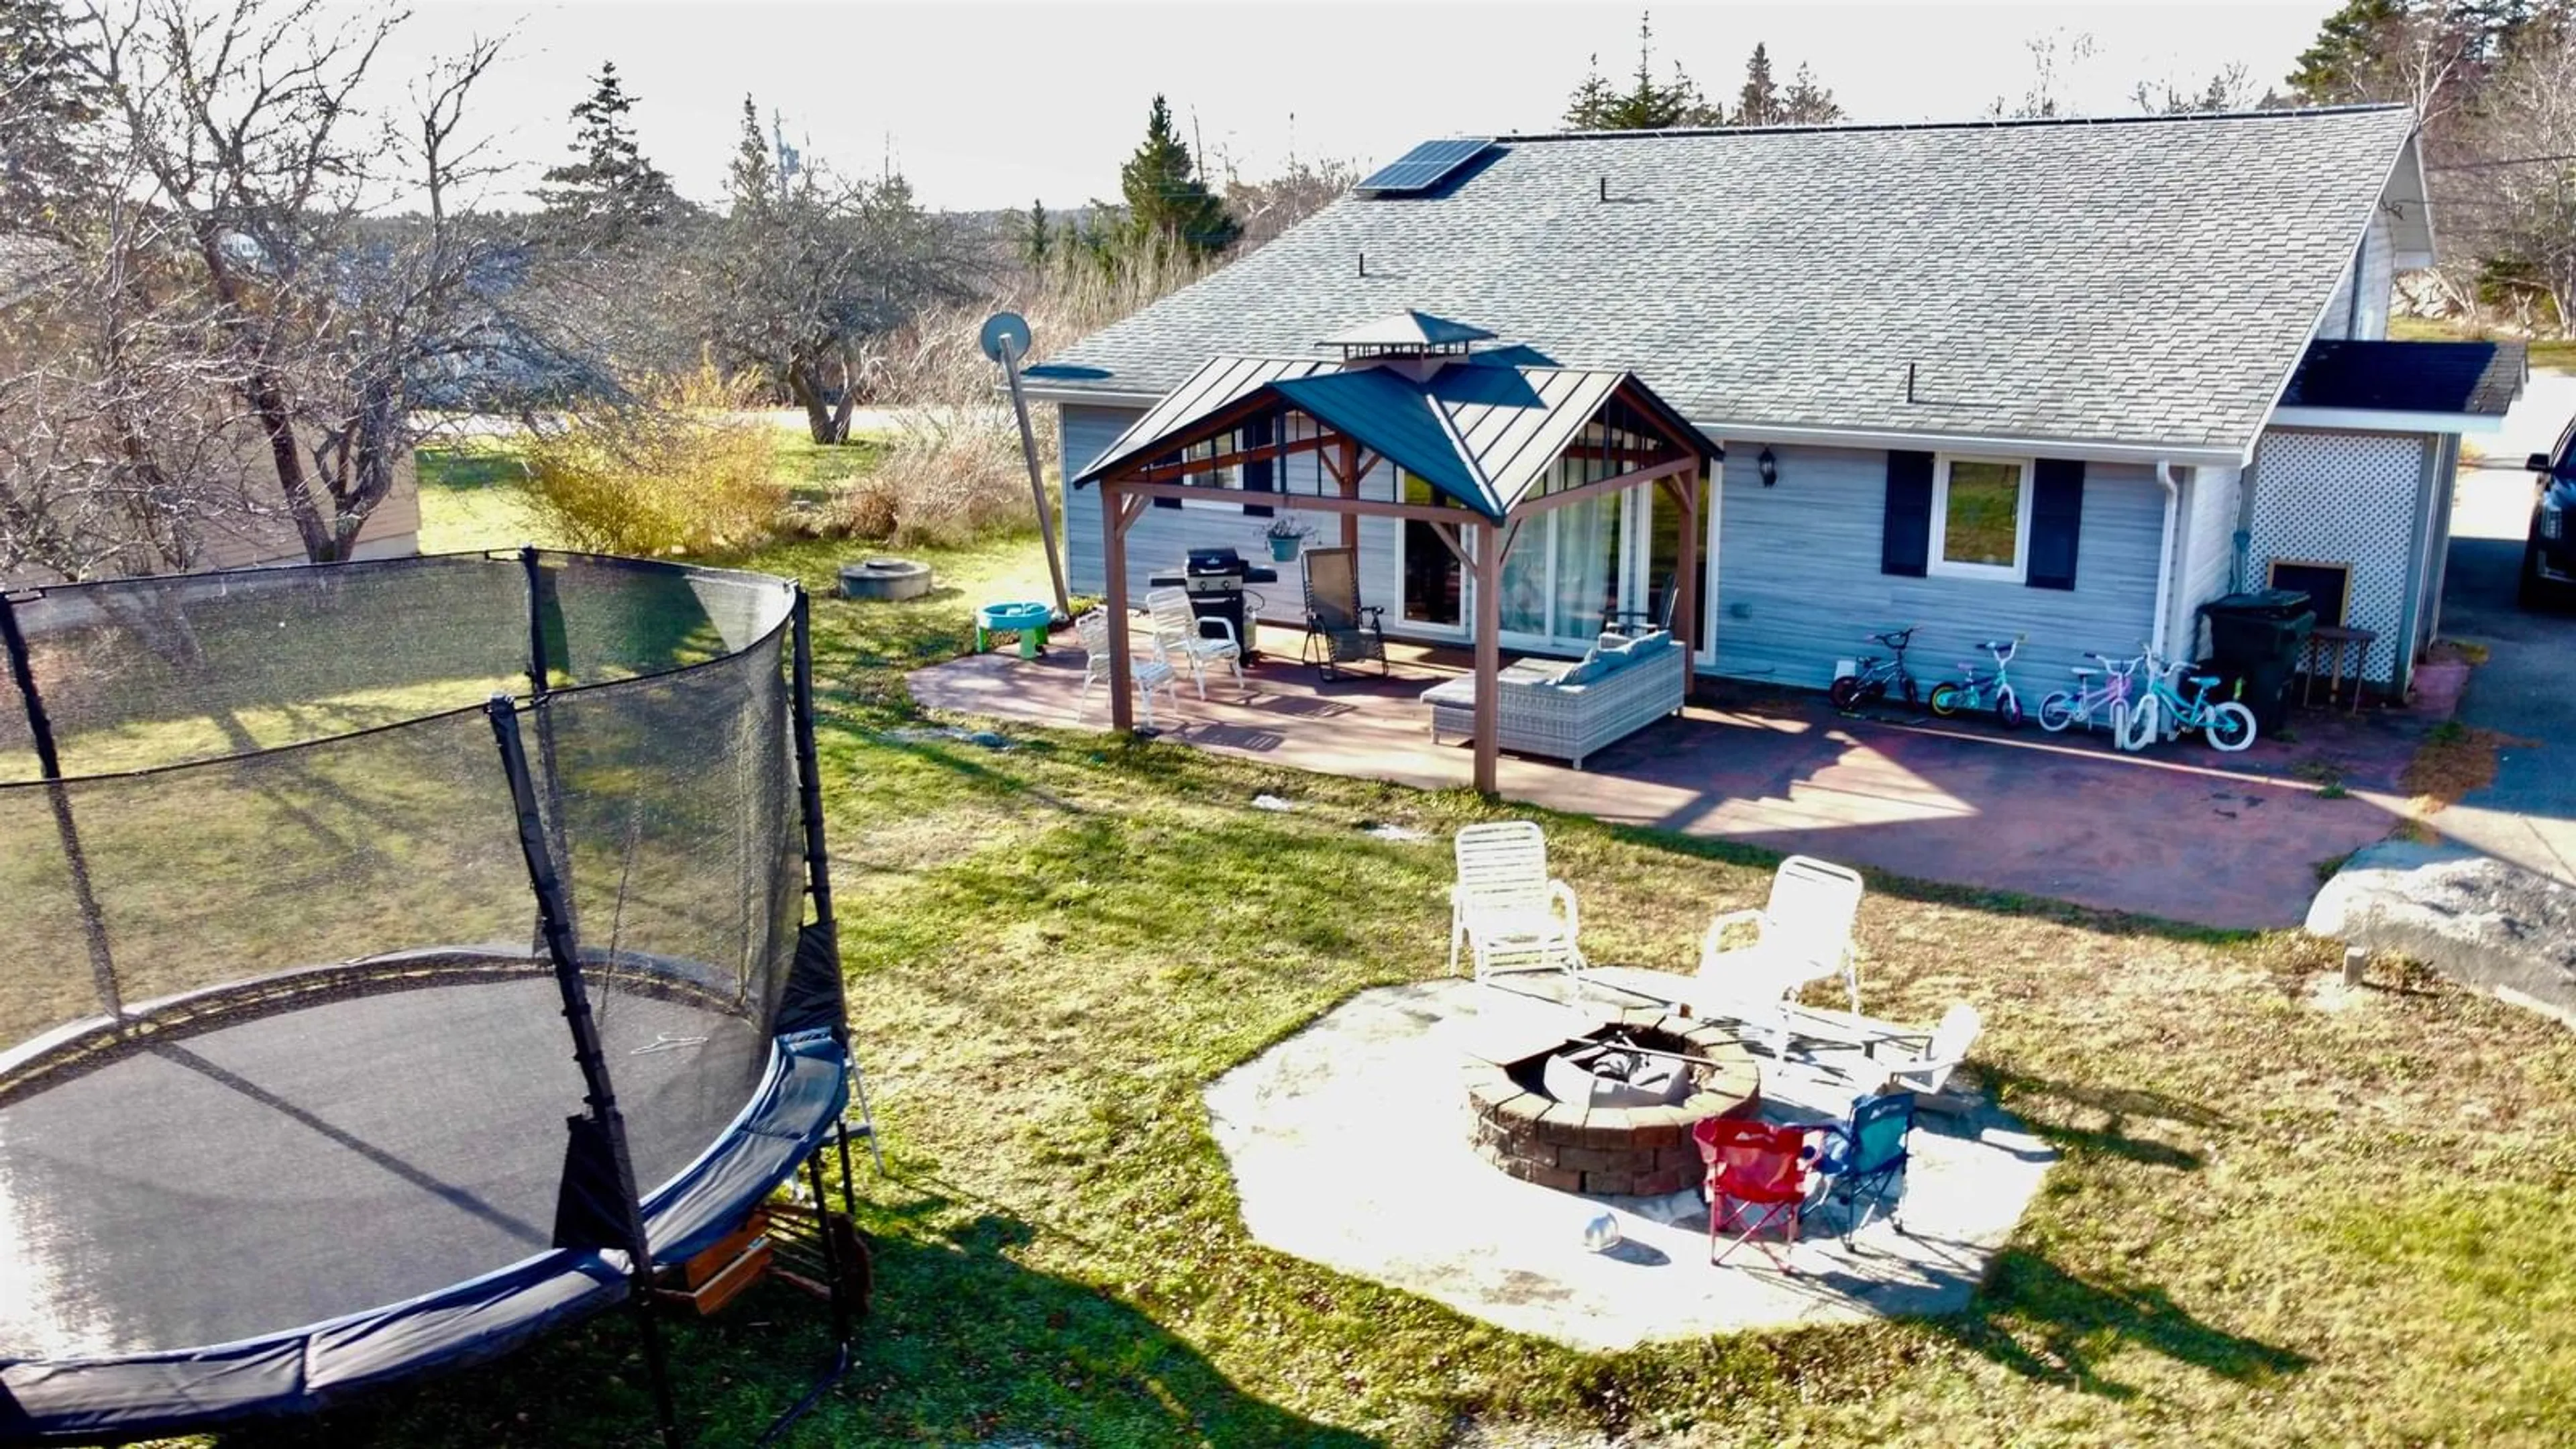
(1567,712)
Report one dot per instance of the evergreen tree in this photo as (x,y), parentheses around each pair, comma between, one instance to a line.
(49,100)
(752,183)
(1808,104)
(1758,103)
(2339,66)
(1646,105)
(608,189)
(1039,237)
(1166,201)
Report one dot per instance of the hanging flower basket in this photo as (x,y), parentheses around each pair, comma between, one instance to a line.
(1287,535)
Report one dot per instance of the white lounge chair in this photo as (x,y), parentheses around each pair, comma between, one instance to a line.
(1508,912)
(1184,637)
(1145,662)
(1801,935)
(1925,1069)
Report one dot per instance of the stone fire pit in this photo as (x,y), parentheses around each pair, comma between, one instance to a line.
(1584,1115)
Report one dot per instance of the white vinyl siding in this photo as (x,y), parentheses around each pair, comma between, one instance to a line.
(2204,553)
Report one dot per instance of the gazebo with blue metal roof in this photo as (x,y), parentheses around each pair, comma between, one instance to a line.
(1495,438)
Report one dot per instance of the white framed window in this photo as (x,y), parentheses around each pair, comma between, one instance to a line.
(1980,518)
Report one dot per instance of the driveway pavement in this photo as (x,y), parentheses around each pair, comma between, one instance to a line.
(2526,689)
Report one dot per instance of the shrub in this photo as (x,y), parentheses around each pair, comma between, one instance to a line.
(678,469)
(952,467)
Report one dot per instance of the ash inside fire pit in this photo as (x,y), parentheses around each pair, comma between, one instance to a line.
(1608,1112)
(1617,1072)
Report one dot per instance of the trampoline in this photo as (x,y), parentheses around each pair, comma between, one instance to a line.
(396,960)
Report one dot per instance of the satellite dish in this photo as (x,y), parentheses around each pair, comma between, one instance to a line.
(1002,327)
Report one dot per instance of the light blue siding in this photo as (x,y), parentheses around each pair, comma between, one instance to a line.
(1798,584)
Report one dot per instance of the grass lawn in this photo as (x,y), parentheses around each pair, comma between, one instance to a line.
(2559,352)
(2285,1211)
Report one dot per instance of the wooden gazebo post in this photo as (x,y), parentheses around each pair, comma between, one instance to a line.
(1114,518)
(1490,541)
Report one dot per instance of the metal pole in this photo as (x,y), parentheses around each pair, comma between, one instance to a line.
(1037,481)
(598,1093)
(540,686)
(809,783)
(40,725)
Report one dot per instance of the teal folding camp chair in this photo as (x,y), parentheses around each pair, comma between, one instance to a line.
(1863,1160)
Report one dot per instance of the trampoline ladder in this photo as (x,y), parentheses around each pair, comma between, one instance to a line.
(867,1127)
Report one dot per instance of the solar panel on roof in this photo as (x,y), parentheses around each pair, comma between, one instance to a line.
(1425,166)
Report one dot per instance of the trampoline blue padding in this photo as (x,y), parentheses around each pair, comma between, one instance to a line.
(358,1195)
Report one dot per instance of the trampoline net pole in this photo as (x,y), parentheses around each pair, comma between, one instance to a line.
(542,606)
(809,782)
(599,1092)
(40,729)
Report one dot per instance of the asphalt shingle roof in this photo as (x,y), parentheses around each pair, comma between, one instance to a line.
(2478,378)
(2146,282)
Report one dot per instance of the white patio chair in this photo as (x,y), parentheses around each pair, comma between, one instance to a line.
(1184,638)
(1801,934)
(1925,1070)
(1145,662)
(1505,908)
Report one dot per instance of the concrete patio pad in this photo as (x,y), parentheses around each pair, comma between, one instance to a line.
(2183,832)
(1350,1147)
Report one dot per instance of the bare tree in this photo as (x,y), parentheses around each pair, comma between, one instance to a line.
(248,146)
(2052,56)
(2517,201)
(809,271)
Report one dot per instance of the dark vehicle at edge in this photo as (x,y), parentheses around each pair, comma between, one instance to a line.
(2549,551)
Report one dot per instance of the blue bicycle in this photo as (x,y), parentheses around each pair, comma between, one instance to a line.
(1983,690)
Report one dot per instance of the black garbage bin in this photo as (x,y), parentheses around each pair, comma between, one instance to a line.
(2255,640)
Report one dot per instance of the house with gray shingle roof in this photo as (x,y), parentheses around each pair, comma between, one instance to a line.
(2063,379)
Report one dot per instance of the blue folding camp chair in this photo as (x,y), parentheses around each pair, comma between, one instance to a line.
(1863,1160)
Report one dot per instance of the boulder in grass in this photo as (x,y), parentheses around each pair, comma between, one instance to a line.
(2478,920)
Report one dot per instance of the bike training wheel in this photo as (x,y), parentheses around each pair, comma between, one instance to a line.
(2057,712)
(2008,708)
(2228,726)
(1845,691)
(2119,724)
(1949,697)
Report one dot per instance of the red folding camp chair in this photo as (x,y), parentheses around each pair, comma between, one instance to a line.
(1757,1176)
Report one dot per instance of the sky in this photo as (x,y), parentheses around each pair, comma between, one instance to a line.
(986,105)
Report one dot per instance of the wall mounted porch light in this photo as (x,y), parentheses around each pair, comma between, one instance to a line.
(1769,466)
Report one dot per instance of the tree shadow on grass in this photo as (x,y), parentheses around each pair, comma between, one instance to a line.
(2114,1107)
(963,1345)
(2048,1324)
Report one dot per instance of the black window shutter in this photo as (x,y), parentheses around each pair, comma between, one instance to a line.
(2056,517)
(1905,542)
(1257,474)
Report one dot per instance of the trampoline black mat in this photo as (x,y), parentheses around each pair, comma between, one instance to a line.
(246,1177)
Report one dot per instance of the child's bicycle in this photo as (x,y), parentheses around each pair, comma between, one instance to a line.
(1981,690)
(1873,676)
(2089,702)
(2163,709)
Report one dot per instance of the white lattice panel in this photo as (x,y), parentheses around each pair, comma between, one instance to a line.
(2343,498)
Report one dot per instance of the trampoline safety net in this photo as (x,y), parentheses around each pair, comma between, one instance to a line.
(284,1052)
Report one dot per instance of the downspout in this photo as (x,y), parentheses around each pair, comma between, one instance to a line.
(2165,553)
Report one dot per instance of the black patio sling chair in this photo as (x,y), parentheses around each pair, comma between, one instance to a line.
(1339,628)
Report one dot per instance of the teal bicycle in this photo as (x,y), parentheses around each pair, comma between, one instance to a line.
(2163,709)
(1982,690)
